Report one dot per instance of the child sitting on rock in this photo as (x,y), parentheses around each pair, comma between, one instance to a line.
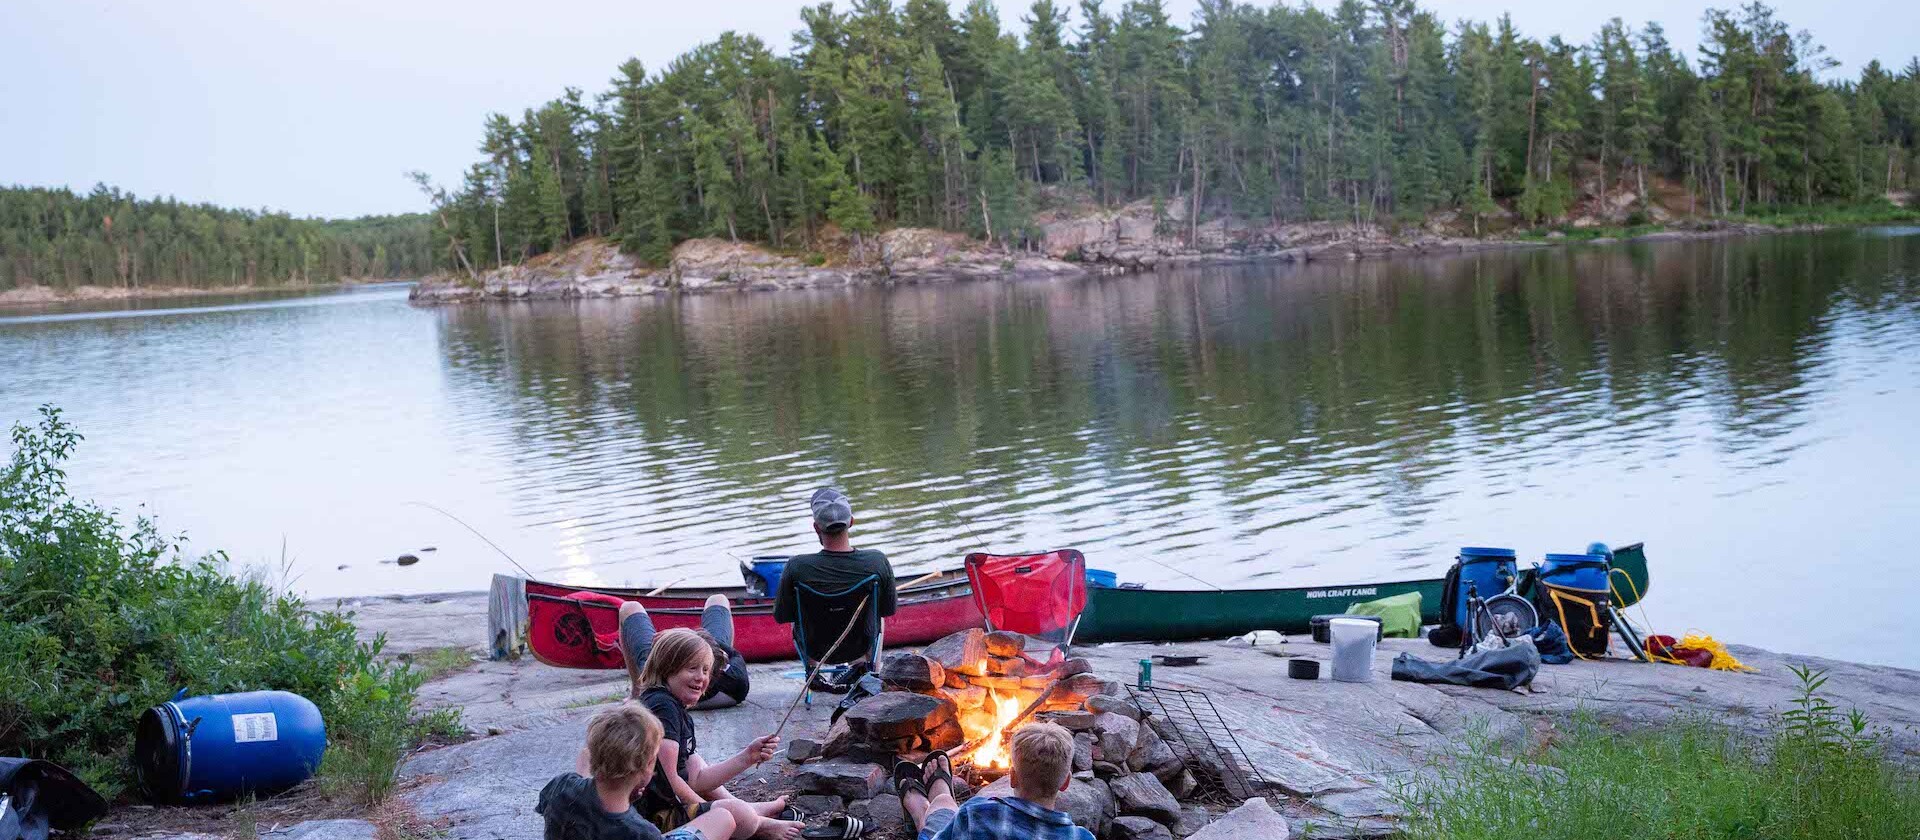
(1042,768)
(685,786)
(593,803)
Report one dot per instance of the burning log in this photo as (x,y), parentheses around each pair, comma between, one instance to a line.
(1007,729)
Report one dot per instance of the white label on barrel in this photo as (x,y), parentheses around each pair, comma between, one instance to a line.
(260,726)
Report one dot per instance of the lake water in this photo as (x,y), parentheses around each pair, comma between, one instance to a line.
(1747,407)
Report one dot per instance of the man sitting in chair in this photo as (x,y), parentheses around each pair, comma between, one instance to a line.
(836,567)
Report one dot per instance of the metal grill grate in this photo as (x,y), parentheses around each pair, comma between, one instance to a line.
(1188,720)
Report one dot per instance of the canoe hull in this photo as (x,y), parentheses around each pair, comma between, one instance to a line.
(561,630)
(1154,615)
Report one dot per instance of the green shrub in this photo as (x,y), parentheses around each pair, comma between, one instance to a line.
(1819,774)
(100,619)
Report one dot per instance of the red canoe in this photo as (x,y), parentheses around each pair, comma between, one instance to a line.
(564,621)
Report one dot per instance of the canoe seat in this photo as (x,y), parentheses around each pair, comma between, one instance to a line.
(1040,595)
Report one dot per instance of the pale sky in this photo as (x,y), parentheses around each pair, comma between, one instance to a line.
(317,108)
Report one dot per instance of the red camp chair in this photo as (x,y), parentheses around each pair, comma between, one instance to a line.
(1035,594)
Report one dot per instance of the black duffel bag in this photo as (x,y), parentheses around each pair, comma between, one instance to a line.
(39,795)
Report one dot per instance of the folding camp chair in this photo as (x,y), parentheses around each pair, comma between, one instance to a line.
(820,618)
(1036,594)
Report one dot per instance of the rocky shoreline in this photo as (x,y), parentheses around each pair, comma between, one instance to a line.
(1332,755)
(1126,240)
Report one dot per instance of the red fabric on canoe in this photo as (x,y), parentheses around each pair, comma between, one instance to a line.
(606,641)
(1035,594)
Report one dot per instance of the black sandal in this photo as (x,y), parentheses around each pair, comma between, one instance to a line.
(840,827)
(938,767)
(907,778)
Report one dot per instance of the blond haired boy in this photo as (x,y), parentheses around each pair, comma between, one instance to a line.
(1042,768)
(593,803)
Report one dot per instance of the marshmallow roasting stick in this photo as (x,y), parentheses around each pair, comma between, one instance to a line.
(815,670)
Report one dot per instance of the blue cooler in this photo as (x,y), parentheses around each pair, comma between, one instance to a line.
(220,746)
(770,567)
(1488,570)
(1575,571)
(1102,578)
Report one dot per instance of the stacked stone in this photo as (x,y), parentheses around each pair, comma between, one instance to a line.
(1127,780)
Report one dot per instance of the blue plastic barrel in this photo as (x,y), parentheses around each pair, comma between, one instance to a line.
(1488,570)
(769,568)
(1102,578)
(1575,571)
(220,746)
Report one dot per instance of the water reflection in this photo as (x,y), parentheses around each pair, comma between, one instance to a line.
(1738,404)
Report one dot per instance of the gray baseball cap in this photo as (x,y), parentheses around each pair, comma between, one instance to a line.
(832,510)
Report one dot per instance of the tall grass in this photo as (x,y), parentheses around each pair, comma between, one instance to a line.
(1818,775)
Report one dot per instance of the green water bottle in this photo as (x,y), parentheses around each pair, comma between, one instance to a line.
(1146,674)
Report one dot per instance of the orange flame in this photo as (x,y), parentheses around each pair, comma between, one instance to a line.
(995,753)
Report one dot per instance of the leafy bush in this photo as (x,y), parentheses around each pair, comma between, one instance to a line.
(100,619)
(1819,774)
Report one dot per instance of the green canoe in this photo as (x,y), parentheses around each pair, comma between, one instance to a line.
(1154,615)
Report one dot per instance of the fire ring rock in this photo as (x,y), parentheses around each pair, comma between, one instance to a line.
(912,672)
(964,652)
(898,714)
(1003,644)
(1140,794)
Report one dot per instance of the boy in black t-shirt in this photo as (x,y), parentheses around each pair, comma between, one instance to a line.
(593,802)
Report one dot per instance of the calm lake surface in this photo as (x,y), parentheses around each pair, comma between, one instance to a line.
(1747,407)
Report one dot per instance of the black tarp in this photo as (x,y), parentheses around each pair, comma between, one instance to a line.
(42,795)
(1509,667)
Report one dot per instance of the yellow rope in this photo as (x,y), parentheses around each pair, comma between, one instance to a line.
(1723,660)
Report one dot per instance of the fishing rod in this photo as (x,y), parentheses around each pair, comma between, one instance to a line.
(476,532)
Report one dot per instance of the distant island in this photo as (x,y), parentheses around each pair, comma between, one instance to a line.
(57,245)
(1118,137)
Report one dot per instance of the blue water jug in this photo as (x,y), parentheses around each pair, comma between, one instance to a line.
(769,568)
(1488,570)
(220,746)
(1575,571)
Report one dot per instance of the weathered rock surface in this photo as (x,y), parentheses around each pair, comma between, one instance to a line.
(1255,820)
(1005,645)
(912,672)
(1114,737)
(326,830)
(964,652)
(1140,794)
(898,714)
(1137,828)
(842,778)
(1315,739)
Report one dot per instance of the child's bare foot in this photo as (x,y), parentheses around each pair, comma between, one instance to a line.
(779,830)
(768,809)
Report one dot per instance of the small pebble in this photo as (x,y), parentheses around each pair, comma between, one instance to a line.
(407,560)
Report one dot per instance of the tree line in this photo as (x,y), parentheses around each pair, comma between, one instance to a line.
(1372,112)
(54,237)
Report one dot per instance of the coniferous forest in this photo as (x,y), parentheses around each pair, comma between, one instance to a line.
(108,238)
(1375,113)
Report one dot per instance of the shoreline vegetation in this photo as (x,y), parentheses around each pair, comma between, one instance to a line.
(57,245)
(1108,135)
(102,618)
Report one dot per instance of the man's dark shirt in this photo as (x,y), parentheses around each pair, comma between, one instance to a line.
(676,725)
(833,571)
(572,810)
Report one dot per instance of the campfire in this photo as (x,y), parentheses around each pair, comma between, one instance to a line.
(968,693)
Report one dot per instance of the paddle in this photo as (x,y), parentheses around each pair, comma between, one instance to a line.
(664,587)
